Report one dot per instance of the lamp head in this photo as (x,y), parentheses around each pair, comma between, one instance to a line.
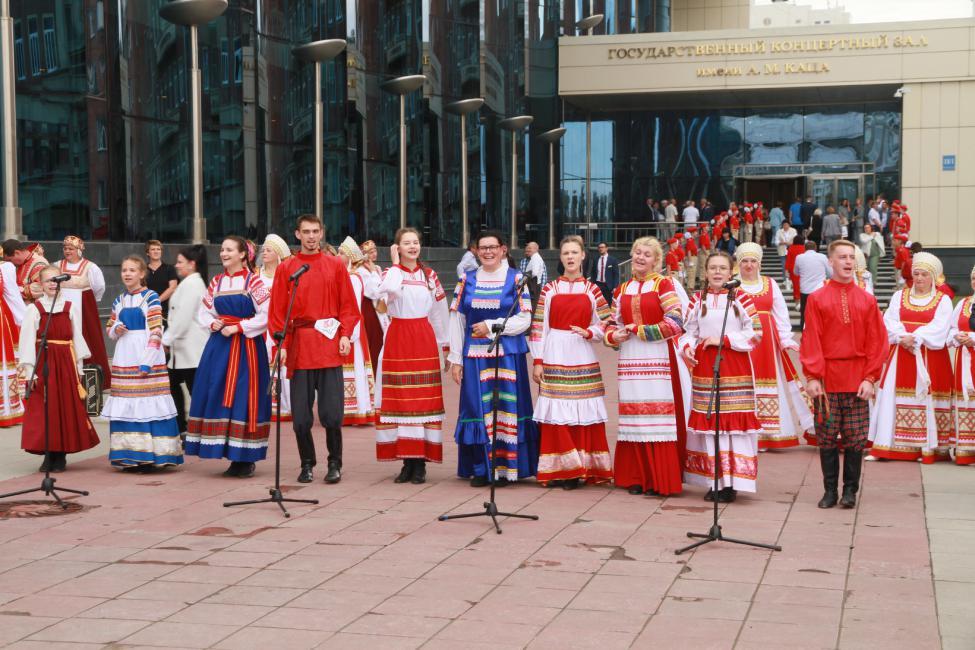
(517,123)
(192,12)
(319,51)
(404,85)
(465,106)
(589,22)
(552,136)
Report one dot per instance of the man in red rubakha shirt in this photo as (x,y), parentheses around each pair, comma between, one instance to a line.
(314,343)
(843,349)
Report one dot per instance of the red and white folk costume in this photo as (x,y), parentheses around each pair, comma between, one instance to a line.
(964,382)
(779,397)
(11,316)
(740,426)
(283,252)
(409,393)
(86,287)
(653,384)
(29,274)
(357,375)
(571,411)
(912,418)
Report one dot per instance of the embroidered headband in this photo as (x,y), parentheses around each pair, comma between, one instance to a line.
(74,242)
(278,245)
(351,250)
(750,250)
(929,263)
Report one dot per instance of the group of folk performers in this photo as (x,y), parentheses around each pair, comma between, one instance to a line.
(370,346)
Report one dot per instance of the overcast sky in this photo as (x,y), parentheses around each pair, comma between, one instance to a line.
(883,11)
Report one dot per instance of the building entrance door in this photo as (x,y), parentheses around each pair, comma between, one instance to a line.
(768,190)
(832,189)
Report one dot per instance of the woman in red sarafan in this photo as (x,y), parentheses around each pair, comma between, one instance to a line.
(739,426)
(71,430)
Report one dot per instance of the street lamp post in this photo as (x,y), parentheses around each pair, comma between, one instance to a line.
(589,23)
(9,208)
(317,53)
(516,125)
(192,14)
(551,137)
(402,86)
(463,107)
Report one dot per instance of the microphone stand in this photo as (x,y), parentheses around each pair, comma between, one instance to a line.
(714,404)
(490,506)
(275,389)
(47,483)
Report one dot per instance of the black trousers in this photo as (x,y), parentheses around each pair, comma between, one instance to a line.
(803,297)
(328,385)
(178,377)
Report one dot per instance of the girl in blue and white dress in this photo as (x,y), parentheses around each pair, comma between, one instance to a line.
(230,413)
(141,411)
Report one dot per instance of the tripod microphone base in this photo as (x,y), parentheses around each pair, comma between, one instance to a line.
(715,535)
(47,487)
(276,497)
(490,510)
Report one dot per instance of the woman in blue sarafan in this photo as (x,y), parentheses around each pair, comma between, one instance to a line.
(230,410)
(481,300)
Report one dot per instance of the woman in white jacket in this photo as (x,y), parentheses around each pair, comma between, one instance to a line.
(184,337)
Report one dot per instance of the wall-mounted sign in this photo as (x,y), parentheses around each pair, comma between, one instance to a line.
(948,163)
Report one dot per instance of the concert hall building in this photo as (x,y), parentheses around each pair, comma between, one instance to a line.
(662,98)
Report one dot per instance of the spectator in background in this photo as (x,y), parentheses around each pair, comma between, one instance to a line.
(813,270)
(816,227)
(707,211)
(783,240)
(806,213)
(534,266)
(469,261)
(691,214)
(161,277)
(776,218)
(872,245)
(832,228)
(795,214)
(846,215)
(605,272)
(670,216)
(727,243)
(797,248)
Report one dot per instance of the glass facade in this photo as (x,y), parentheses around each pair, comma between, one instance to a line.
(636,155)
(103,121)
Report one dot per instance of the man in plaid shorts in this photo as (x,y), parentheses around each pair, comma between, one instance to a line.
(843,349)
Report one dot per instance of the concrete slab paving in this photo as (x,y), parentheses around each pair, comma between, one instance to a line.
(157,561)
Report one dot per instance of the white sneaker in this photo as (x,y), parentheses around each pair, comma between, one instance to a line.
(869,459)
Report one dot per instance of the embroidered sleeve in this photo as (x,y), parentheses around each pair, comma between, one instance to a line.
(113,317)
(525,299)
(154,320)
(691,325)
(539,319)
(615,321)
(672,323)
(455,304)
(258,290)
(435,286)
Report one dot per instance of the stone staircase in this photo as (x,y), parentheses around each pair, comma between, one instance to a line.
(885,284)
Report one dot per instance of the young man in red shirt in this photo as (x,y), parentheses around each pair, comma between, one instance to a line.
(843,349)
(324,314)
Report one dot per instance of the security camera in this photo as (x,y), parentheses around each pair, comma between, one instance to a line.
(900,92)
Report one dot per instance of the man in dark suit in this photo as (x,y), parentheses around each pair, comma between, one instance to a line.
(605,272)
(806,214)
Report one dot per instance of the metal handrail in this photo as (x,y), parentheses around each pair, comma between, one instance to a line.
(621,234)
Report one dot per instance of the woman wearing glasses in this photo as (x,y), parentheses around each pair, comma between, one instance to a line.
(482,299)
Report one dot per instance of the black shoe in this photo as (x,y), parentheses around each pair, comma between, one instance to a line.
(479,481)
(246,470)
(406,473)
(727,495)
(59,462)
(849,499)
(146,468)
(233,470)
(709,496)
(45,465)
(553,484)
(830,497)
(419,472)
(334,474)
(571,484)
(501,482)
(305,476)
(635,489)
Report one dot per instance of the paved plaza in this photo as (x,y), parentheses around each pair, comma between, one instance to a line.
(156,560)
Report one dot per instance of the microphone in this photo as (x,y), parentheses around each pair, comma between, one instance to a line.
(733,284)
(300,272)
(64,277)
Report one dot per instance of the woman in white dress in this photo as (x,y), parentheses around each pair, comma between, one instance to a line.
(911,419)
(409,394)
(357,371)
(780,398)
(274,251)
